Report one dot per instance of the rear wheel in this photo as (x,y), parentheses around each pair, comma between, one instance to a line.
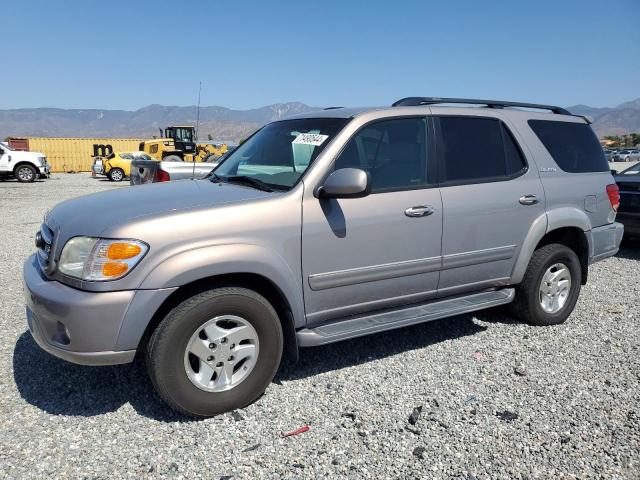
(116,174)
(25,173)
(550,287)
(215,352)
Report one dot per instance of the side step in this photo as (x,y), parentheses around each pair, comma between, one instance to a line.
(352,327)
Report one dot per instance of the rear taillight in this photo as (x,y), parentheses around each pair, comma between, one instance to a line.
(614,196)
(162,176)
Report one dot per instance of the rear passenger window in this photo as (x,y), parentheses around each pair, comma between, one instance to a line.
(392,151)
(573,146)
(478,149)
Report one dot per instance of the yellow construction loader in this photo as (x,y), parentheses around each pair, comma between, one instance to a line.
(177,143)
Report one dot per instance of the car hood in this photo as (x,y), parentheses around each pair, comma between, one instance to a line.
(91,215)
(21,154)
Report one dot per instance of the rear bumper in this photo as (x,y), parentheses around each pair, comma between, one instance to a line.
(631,222)
(604,242)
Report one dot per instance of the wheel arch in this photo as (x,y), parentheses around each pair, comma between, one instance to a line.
(574,238)
(253,281)
(24,162)
(239,264)
(560,228)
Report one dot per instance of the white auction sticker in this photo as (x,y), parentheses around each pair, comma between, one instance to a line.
(310,139)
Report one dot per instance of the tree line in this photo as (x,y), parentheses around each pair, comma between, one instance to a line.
(618,141)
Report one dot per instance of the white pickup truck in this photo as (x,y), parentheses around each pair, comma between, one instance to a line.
(24,166)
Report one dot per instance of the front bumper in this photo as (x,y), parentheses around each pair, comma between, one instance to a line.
(604,242)
(45,169)
(77,326)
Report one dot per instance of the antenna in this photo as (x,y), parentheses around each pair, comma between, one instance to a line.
(198,110)
(195,140)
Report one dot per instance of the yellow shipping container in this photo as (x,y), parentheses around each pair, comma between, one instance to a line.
(76,154)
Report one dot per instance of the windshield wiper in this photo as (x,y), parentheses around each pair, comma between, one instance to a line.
(247,180)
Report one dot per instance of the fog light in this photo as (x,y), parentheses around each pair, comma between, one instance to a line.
(61,335)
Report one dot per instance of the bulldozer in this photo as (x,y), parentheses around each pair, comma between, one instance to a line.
(178,143)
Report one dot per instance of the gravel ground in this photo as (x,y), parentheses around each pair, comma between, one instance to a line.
(473,397)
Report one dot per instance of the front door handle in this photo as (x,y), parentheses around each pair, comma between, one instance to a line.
(528,200)
(419,211)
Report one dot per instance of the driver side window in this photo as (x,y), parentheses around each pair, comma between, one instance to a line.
(393,152)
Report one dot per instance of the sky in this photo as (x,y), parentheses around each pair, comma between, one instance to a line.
(129,54)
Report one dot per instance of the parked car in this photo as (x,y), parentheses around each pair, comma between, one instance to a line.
(629,212)
(152,171)
(609,154)
(627,156)
(325,226)
(21,165)
(117,166)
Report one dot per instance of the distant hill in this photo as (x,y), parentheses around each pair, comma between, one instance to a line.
(221,123)
(620,120)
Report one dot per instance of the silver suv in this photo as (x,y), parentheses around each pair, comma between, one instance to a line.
(322,227)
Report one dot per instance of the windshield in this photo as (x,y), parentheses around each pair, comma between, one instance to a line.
(280,153)
(6,146)
(183,135)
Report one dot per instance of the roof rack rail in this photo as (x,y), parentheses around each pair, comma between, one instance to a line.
(331,108)
(415,101)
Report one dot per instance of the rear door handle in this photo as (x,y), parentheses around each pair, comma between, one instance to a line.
(528,200)
(419,211)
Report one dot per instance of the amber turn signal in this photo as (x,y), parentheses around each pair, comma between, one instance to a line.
(122,251)
(114,269)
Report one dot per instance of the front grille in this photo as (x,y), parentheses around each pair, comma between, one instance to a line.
(44,239)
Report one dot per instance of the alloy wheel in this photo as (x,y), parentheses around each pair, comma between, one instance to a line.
(221,353)
(555,287)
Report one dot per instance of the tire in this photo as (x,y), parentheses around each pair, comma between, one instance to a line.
(116,174)
(25,173)
(172,158)
(528,304)
(170,366)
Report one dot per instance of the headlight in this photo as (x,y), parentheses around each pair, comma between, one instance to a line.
(43,161)
(97,259)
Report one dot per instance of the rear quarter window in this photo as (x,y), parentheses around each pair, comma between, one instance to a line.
(573,146)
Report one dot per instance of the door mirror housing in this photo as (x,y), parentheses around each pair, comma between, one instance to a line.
(614,172)
(346,183)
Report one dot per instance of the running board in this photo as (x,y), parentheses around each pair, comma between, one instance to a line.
(379,322)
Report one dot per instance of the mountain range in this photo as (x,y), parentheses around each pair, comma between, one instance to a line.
(220,123)
(620,120)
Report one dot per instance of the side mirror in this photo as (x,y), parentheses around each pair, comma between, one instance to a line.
(614,172)
(345,183)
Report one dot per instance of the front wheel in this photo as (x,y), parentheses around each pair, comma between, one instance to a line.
(26,173)
(550,287)
(116,174)
(215,352)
